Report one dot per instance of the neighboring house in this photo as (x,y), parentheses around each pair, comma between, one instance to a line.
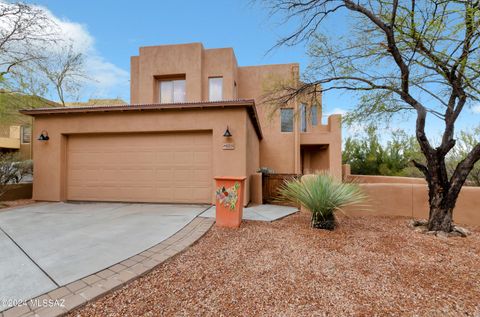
(15,128)
(96,102)
(169,143)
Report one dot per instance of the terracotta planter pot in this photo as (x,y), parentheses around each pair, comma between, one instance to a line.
(229,191)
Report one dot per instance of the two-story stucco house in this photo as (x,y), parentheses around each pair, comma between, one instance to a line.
(172,140)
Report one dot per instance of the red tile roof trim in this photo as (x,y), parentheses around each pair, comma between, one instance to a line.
(249,104)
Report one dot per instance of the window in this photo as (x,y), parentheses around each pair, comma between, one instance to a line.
(303,118)
(314,115)
(26,134)
(286,117)
(215,87)
(172,91)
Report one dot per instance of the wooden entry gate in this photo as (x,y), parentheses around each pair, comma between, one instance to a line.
(271,184)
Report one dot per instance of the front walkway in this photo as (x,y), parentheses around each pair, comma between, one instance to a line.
(259,212)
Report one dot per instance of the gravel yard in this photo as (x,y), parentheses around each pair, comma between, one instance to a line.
(369,266)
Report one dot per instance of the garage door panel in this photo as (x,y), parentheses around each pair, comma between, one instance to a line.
(164,156)
(188,193)
(202,157)
(140,167)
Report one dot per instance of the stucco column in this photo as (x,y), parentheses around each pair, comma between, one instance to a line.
(335,147)
(296,127)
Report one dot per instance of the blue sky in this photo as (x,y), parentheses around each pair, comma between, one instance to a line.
(112,31)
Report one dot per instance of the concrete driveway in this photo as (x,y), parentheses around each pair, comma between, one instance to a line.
(47,245)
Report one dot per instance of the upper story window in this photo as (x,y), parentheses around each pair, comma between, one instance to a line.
(286,119)
(314,115)
(171,91)
(26,134)
(304,117)
(215,88)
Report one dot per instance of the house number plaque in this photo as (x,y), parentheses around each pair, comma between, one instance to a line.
(228,146)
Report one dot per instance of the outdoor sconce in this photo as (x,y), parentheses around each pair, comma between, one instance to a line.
(227,133)
(43,136)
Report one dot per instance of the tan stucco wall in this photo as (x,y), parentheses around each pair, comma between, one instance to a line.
(220,62)
(315,159)
(191,60)
(50,156)
(374,179)
(169,60)
(253,161)
(390,199)
(279,151)
(408,197)
(256,194)
(134,79)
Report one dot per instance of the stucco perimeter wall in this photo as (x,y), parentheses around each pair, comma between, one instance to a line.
(50,156)
(400,196)
(17,191)
(374,179)
(390,199)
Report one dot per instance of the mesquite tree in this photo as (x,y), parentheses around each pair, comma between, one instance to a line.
(418,56)
(25,34)
(37,57)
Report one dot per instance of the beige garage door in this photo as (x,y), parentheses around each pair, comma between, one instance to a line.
(156,167)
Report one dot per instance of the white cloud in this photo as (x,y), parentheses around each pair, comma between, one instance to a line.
(107,79)
(336,111)
(106,76)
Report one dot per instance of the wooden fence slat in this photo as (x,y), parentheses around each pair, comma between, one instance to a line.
(271,184)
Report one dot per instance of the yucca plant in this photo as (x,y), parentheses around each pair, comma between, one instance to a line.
(322,195)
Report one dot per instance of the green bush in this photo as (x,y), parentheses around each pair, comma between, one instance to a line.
(367,155)
(322,195)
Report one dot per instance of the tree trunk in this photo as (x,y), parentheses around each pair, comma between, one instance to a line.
(441,211)
(441,197)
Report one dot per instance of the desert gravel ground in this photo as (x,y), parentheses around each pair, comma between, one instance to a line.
(369,266)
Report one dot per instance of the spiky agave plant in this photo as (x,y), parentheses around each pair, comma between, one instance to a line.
(322,195)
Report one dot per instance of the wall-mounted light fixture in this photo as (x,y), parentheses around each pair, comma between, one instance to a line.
(227,133)
(43,136)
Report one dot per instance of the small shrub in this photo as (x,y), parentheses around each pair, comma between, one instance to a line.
(323,196)
(12,170)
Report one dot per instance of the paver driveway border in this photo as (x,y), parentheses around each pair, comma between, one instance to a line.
(73,295)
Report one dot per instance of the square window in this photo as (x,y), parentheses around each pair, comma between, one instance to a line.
(172,91)
(286,117)
(179,94)
(215,88)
